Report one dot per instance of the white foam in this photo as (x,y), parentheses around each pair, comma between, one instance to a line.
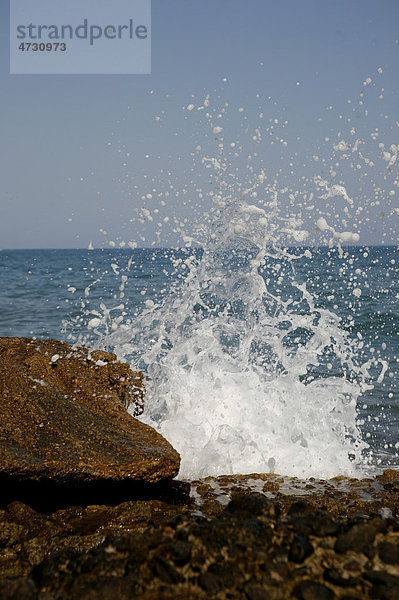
(95,322)
(322,224)
(227,360)
(245,372)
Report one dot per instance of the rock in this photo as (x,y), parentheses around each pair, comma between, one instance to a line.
(151,549)
(318,523)
(360,538)
(299,507)
(385,585)
(339,497)
(255,592)
(251,505)
(389,552)
(63,418)
(210,583)
(312,590)
(20,588)
(388,476)
(300,549)
(339,578)
(27,536)
(180,552)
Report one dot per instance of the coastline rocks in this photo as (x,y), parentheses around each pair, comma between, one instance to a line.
(63,418)
(252,547)
(251,551)
(63,422)
(341,496)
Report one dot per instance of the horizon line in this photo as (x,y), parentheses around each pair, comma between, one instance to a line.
(183,248)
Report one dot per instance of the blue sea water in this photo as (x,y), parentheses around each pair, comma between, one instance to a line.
(54,294)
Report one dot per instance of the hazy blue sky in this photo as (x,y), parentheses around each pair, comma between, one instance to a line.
(73,148)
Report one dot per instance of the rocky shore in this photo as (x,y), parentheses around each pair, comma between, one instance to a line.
(89,508)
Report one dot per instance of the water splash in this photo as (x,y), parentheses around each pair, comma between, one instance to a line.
(246,371)
(244,376)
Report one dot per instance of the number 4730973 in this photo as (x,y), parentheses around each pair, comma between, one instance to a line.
(42,47)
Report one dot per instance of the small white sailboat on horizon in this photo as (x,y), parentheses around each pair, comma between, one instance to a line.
(90,246)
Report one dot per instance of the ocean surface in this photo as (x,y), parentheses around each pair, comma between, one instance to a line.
(117,299)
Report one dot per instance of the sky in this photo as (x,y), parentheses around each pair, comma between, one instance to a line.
(82,154)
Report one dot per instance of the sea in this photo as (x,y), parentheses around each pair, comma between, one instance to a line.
(283,361)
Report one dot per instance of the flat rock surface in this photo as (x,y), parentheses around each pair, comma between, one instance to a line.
(341,496)
(63,418)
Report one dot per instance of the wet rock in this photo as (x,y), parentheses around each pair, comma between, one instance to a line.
(312,590)
(165,571)
(181,553)
(360,538)
(338,577)
(389,552)
(299,507)
(210,583)
(255,548)
(63,418)
(318,523)
(339,497)
(21,588)
(256,592)
(389,476)
(103,588)
(385,585)
(26,544)
(251,505)
(300,549)
(149,549)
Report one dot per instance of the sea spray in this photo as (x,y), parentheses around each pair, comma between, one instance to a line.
(243,376)
(235,365)
(247,369)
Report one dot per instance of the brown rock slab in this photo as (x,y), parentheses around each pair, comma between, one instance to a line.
(63,418)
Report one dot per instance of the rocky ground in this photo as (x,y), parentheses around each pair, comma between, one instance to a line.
(253,548)
(253,537)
